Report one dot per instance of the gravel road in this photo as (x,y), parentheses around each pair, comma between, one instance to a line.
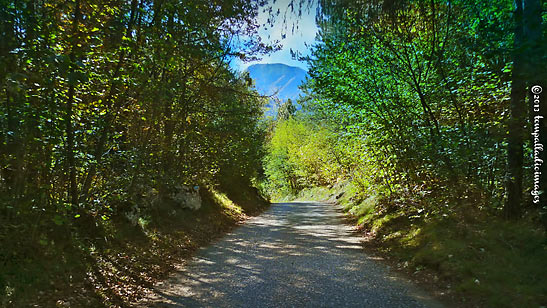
(298,254)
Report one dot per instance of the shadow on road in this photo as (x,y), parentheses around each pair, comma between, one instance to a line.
(293,255)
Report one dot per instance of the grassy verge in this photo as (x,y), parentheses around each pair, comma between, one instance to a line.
(474,258)
(114,262)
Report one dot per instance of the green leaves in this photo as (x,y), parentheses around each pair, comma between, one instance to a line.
(120,97)
(77,77)
(59,220)
(301,154)
(416,92)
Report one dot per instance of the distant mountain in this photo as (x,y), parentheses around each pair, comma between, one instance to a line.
(277,78)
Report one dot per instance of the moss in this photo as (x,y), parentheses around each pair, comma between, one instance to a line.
(365,207)
(498,263)
(503,263)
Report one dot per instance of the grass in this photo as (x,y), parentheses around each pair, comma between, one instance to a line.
(316,194)
(230,207)
(502,263)
(111,263)
(476,255)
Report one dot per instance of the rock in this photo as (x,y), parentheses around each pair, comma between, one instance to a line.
(181,196)
(133,215)
(188,197)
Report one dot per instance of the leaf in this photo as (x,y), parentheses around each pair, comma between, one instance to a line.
(58,220)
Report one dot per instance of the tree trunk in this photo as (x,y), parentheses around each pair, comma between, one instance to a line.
(109,99)
(534,54)
(516,122)
(73,188)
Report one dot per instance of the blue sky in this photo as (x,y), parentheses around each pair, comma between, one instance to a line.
(307,29)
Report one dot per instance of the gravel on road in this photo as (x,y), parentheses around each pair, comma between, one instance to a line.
(298,254)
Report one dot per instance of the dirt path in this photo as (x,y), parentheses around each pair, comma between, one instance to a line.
(293,255)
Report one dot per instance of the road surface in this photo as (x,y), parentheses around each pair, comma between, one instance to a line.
(298,254)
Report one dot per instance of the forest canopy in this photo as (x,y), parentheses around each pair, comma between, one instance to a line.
(99,99)
(424,95)
(418,114)
(107,104)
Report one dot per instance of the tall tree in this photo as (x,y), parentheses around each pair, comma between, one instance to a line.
(526,58)
(516,121)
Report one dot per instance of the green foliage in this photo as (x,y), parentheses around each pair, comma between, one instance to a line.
(105,102)
(300,154)
(503,263)
(408,102)
(418,91)
(286,110)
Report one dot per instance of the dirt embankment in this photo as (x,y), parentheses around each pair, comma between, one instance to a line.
(466,256)
(114,262)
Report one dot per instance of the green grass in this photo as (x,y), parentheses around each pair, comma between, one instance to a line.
(108,264)
(496,262)
(316,194)
(232,208)
(364,208)
(503,264)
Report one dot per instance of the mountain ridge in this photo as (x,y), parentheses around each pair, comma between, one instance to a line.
(277,79)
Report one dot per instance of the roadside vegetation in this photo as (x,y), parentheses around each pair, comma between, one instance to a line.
(416,119)
(410,122)
(111,113)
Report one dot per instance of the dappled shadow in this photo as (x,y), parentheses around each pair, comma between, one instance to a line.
(293,255)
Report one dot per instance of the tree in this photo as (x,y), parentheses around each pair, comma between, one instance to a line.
(527,37)
(286,110)
(426,82)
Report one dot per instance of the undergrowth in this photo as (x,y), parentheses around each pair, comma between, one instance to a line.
(474,253)
(115,262)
